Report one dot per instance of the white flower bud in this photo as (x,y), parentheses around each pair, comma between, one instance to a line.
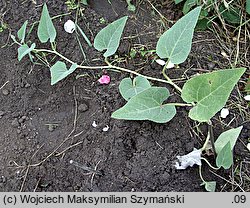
(170,65)
(160,62)
(69,26)
(163,63)
(224,112)
(247,97)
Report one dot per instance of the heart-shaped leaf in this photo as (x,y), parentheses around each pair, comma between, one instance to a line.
(175,43)
(109,37)
(21,32)
(59,71)
(210,92)
(209,185)
(227,136)
(24,50)
(129,88)
(225,157)
(148,105)
(46,29)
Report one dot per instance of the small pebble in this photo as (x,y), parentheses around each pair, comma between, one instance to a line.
(15,123)
(27,85)
(52,127)
(94,124)
(1,113)
(22,119)
(106,128)
(83,107)
(5,92)
(2,179)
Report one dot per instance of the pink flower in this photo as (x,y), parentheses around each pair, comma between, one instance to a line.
(105,79)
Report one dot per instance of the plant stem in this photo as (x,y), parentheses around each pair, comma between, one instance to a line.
(201,175)
(109,65)
(54,52)
(210,129)
(180,104)
(138,74)
(209,164)
(168,79)
(206,142)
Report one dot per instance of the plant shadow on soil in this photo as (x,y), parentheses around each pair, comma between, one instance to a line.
(132,155)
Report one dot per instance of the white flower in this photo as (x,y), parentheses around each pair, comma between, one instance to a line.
(94,124)
(224,112)
(190,159)
(69,26)
(163,63)
(247,97)
(106,128)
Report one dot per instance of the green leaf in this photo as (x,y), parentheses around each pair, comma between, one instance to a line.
(176,42)
(225,157)
(203,24)
(84,35)
(109,37)
(24,50)
(46,29)
(231,15)
(248,6)
(247,87)
(85,2)
(131,7)
(209,185)
(148,105)
(227,136)
(129,88)
(188,5)
(177,1)
(59,71)
(210,92)
(21,32)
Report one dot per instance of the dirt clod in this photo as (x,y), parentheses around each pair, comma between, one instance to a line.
(15,123)
(5,92)
(83,107)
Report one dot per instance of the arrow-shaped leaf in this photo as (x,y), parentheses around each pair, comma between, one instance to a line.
(129,88)
(24,50)
(175,43)
(109,37)
(227,136)
(21,32)
(59,71)
(46,29)
(148,105)
(225,157)
(210,92)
